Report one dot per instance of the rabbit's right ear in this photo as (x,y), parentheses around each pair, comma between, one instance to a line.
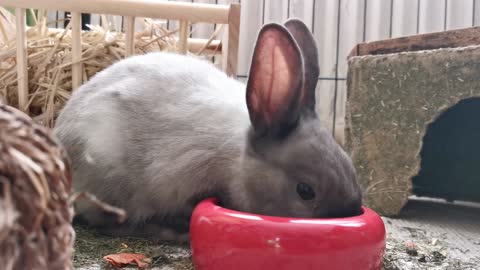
(275,82)
(308,47)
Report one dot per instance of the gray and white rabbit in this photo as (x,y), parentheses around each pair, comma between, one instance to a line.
(155,134)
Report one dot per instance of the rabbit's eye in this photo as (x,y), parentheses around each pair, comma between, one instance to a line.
(305,191)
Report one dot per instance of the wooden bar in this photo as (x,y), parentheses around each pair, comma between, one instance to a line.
(225,47)
(76,50)
(129,36)
(183,37)
(230,52)
(22,64)
(192,12)
(42,19)
(196,44)
(430,41)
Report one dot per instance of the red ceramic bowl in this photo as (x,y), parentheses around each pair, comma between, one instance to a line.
(223,239)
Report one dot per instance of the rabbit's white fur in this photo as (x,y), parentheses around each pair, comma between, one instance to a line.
(146,81)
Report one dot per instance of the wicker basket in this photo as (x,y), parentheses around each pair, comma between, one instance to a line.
(35,188)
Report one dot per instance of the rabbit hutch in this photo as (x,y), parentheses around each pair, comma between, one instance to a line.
(412,127)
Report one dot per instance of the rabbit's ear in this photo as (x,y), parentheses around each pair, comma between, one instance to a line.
(308,47)
(275,82)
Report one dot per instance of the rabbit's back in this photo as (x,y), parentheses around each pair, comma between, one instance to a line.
(142,133)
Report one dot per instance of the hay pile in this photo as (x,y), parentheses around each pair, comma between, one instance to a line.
(49,59)
(35,189)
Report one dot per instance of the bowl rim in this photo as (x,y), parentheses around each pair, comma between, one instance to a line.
(212,202)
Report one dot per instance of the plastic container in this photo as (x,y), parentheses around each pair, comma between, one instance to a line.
(223,239)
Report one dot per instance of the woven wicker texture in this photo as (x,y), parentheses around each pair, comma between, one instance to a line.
(35,188)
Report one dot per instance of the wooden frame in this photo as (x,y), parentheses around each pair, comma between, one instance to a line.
(430,41)
(185,13)
(22,65)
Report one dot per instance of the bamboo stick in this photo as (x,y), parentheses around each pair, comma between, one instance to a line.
(129,36)
(76,50)
(193,12)
(183,36)
(230,51)
(22,65)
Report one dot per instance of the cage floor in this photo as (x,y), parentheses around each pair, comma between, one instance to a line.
(455,226)
(454,229)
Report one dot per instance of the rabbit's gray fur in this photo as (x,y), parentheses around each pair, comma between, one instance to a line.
(154,134)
